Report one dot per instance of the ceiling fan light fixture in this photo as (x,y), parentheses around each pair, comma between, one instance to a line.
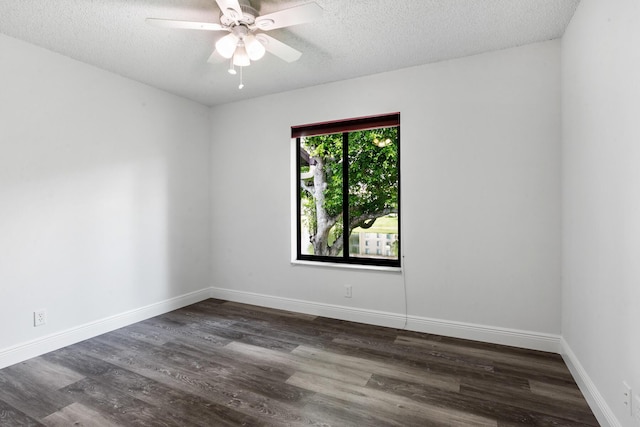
(226,46)
(241,58)
(254,48)
(244,42)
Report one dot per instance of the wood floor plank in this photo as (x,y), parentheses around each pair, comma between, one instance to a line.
(218,369)
(219,389)
(119,407)
(158,331)
(455,366)
(491,355)
(326,369)
(27,395)
(192,409)
(12,417)
(568,393)
(73,358)
(152,402)
(45,374)
(501,409)
(339,413)
(388,402)
(77,415)
(236,364)
(533,402)
(445,399)
(387,369)
(237,334)
(218,363)
(439,357)
(290,334)
(352,329)
(272,312)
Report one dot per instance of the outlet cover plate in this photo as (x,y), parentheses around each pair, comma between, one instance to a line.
(39,317)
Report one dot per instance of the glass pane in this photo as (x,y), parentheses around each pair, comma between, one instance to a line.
(321,195)
(373,194)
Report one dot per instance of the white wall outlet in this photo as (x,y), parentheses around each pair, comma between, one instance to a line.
(347,291)
(636,409)
(626,397)
(39,317)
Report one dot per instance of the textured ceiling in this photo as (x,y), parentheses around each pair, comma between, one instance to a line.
(353,38)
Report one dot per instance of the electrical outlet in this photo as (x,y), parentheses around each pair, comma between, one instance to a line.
(39,317)
(626,398)
(636,409)
(347,291)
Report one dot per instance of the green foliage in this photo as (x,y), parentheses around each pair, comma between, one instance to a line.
(373,171)
(373,177)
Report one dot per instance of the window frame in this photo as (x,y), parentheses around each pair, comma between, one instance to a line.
(345,127)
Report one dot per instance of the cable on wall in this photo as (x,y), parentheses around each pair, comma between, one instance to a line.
(404,285)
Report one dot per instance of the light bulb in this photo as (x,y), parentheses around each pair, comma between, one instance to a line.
(240,58)
(227,45)
(254,48)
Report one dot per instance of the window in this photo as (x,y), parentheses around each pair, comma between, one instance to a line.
(348,190)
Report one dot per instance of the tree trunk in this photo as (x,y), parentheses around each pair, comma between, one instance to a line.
(324,222)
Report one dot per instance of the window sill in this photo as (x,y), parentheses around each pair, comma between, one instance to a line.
(296,262)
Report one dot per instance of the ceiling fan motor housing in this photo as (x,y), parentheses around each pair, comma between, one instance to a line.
(248,17)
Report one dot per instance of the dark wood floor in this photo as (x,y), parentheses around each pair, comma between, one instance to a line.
(219,363)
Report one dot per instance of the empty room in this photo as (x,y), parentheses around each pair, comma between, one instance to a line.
(320,213)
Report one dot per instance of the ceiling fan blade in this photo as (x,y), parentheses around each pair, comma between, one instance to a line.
(287,17)
(279,49)
(231,9)
(186,25)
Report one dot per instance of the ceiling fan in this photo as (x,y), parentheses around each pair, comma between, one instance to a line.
(246,40)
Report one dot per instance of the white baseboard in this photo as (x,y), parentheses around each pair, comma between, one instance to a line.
(511,337)
(596,402)
(373,317)
(516,338)
(34,348)
(491,334)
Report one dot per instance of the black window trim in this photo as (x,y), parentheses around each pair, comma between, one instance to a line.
(344,127)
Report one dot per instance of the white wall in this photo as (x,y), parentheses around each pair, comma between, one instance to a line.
(601,201)
(480,188)
(104,194)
